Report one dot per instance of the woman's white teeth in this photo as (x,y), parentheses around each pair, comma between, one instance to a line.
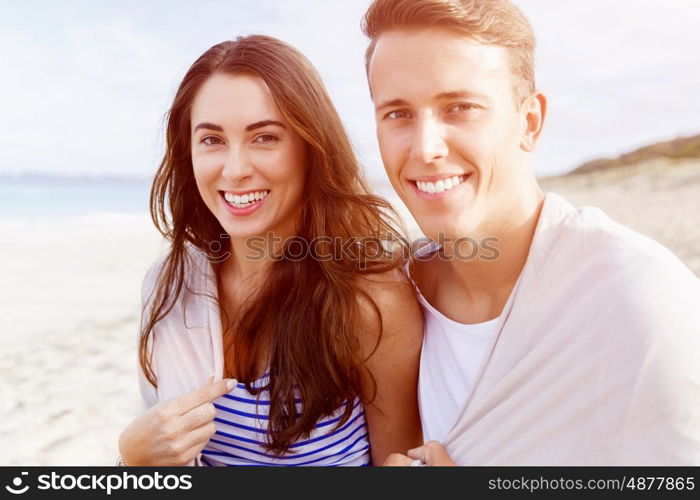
(441,185)
(242,201)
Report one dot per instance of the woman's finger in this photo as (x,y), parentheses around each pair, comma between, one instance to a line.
(199,416)
(207,393)
(200,436)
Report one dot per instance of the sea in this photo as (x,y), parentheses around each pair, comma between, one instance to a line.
(37,197)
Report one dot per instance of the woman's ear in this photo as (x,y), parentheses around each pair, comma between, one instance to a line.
(535,109)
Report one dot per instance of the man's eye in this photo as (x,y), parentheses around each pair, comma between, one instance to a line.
(397,114)
(458,108)
(211,140)
(266,139)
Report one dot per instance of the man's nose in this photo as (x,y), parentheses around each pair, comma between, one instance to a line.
(429,142)
(237,166)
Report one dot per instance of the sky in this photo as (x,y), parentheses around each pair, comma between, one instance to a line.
(85,85)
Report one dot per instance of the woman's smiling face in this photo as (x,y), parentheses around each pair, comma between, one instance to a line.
(249,163)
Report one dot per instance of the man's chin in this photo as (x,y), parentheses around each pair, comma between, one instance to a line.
(439,231)
(447,225)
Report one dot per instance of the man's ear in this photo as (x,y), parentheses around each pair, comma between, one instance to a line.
(535,109)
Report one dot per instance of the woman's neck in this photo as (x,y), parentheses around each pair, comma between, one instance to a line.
(247,261)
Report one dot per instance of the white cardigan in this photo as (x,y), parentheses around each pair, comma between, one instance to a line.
(187,344)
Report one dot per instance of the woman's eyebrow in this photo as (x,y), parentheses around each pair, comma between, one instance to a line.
(252,126)
(210,126)
(264,123)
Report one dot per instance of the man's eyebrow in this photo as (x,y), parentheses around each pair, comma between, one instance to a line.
(391,104)
(456,94)
(461,94)
(252,126)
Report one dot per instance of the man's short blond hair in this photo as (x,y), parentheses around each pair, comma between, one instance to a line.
(490,22)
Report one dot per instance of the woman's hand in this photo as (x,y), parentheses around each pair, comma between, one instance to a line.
(175,431)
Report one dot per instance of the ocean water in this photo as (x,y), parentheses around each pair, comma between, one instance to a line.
(40,198)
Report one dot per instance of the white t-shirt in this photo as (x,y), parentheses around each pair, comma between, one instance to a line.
(452,354)
(450,359)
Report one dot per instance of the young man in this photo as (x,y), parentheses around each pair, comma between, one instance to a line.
(575,342)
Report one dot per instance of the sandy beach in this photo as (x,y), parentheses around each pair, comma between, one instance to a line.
(70,301)
(660,199)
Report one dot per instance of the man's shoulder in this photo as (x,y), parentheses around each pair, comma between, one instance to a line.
(426,267)
(605,263)
(591,238)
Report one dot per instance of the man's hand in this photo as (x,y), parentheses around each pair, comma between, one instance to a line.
(397,460)
(432,454)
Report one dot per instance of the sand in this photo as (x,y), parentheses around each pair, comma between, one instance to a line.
(660,199)
(70,297)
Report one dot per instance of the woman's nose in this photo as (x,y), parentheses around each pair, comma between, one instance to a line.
(237,166)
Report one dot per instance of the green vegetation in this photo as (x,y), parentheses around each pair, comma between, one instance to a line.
(681,148)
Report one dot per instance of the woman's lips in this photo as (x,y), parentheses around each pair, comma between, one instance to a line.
(249,206)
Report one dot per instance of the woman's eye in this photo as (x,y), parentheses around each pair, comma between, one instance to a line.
(266,139)
(211,140)
(397,114)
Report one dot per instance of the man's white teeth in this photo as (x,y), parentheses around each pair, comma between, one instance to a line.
(441,185)
(242,201)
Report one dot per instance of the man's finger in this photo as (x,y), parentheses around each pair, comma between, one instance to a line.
(207,393)
(417,453)
(432,453)
(397,460)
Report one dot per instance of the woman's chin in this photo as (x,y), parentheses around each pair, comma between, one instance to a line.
(242,233)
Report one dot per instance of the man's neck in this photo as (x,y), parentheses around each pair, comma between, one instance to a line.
(486,283)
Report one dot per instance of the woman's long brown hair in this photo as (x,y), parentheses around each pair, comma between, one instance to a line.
(305,320)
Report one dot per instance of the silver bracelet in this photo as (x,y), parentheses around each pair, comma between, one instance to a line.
(416,463)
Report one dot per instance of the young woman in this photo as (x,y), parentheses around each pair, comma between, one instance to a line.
(275,278)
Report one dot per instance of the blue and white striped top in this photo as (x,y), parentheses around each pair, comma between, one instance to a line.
(241,429)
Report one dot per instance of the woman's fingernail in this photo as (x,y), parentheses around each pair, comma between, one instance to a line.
(231,383)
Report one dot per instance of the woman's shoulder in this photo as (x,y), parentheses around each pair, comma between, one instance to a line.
(150,279)
(197,272)
(389,298)
(391,332)
(389,286)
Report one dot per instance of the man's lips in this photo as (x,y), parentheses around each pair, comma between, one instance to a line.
(438,185)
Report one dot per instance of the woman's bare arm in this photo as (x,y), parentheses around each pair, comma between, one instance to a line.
(392,417)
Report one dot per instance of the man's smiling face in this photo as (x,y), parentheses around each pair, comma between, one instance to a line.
(449,128)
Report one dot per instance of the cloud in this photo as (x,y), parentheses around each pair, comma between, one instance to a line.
(618,74)
(86,84)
